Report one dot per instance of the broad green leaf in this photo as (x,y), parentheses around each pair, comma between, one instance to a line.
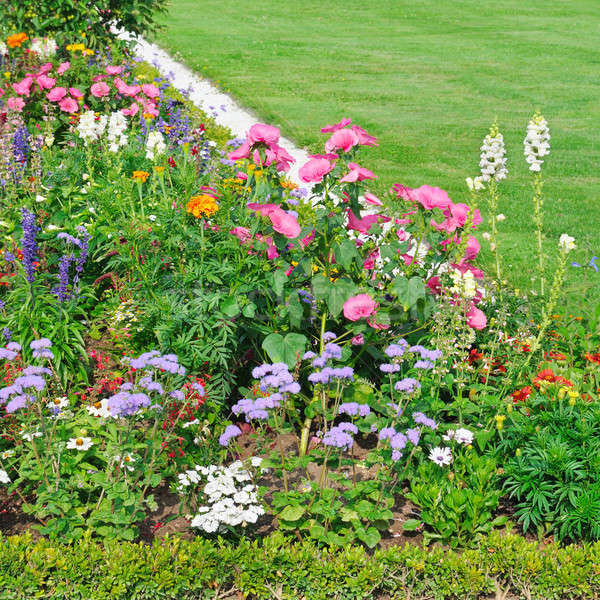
(287,350)
(292,513)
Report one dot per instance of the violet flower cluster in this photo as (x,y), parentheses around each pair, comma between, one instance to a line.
(340,436)
(28,243)
(324,373)
(65,262)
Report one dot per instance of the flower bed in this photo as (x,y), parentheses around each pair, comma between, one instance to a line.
(194,344)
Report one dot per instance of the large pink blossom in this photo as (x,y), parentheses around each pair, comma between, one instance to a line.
(342,139)
(285,223)
(56,94)
(271,248)
(15,103)
(336,126)
(456,217)
(150,90)
(472,249)
(261,133)
(68,105)
(430,197)
(359,306)
(476,319)
(76,93)
(363,225)
(364,139)
(242,152)
(357,173)
(23,87)
(45,68)
(126,90)
(113,70)
(280,156)
(45,82)
(100,89)
(372,199)
(65,66)
(315,169)
(263,209)
(131,111)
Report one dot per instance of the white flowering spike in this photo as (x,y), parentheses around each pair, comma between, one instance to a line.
(475,183)
(117,126)
(493,156)
(155,145)
(43,47)
(566,243)
(90,127)
(3,48)
(464,284)
(537,142)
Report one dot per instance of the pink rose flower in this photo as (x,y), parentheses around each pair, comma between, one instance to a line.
(357,173)
(337,126)
(68,105)
(150,90)
(261,133)
(315,169)
(131,111)
(100,89)
(113,70)
(342,139)
(242,152)
(364,139)
(63,67)
(360,306)
(17,104)
(45,82)
(22,88)
(372,199)
(58,93)
(126,90)
(475,318)
(76,93)
(263,209)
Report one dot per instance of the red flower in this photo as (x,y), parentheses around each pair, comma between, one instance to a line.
(552,355)
(593,358)
(522,394)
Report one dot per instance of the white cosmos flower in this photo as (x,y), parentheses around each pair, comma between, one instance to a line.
(566,243)
(441,456)
(7,454)
(29,436)
(80,443)
(4,478)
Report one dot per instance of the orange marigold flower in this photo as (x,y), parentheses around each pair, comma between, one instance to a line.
(140,175)
(16,39)
(202,205)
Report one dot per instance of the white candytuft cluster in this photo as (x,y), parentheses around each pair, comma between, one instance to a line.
(493,156)
(231,496)
(537,142)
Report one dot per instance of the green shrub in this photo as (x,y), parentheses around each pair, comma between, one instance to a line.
(176,569)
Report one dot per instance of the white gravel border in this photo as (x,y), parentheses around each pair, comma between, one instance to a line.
(225,110)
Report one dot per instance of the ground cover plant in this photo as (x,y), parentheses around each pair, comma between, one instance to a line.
(425,79)
(193,343)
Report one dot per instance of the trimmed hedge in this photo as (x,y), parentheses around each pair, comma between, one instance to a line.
(276,568)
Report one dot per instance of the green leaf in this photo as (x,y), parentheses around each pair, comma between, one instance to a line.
(291,513)
(279,280)
(287,350)
(320,286)
(408,291)
(339,291)
(345,253)
(249,310)
(295,310)
(370,536)
(411,525)
(230,307)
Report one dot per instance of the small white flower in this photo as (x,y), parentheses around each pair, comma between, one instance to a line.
(152,217)
(566,243)
(29,436)
(52,228)
(155,145)
(125,461)
(4,478)
(475,184)
(500,218)
(60,402)
(7,454)
(80,443)
(441,456)
(463,436)
(39,198)
(99,409)
(486,236)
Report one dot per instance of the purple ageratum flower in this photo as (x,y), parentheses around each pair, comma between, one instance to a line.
(319,362)
(342,373)
(43,353)
(418,348)
(431,355)
(6,354)
(351,427)
(398,441)
(422,419)
(279,368)
(407,384)
(308,355)
(13,346)
(353,409)
(423,364)
(387,433)
(178,395)
(338,438)
(328,336)
(389,368)
(31,381)
(396,455)
(199,388)
(261,371)
(413,436)
(8,391)
(19,402)
(397,349)
(33,370)
(231,431)
(124,404)
(318,377)
(154,386)
(332,350)
(290,388)
(40,344)
(29,245)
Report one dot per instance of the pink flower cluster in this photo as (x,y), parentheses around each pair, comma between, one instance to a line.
(266,138)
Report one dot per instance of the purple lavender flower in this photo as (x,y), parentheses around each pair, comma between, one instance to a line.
(6,333)
(62,290)
(28,243)
(422,419)
(408,384)
(178,395)
(231,431)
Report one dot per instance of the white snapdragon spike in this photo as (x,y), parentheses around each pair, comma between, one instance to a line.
(117,125)
(475,183)
(493,156)
(4,478)
(537,142)
(3,48)
(91,128)
(44,47)
(463,284)
(566,243)
(155,145)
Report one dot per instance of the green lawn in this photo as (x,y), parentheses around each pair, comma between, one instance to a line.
(427,77)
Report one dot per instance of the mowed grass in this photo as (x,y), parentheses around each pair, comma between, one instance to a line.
(426,77)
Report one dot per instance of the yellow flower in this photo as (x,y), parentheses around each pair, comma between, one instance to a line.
(140,176)
(7,74)
(573,394)
(500,421)
(159,170)
(518,452)
(148,116)
(87,52)
(202,205)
